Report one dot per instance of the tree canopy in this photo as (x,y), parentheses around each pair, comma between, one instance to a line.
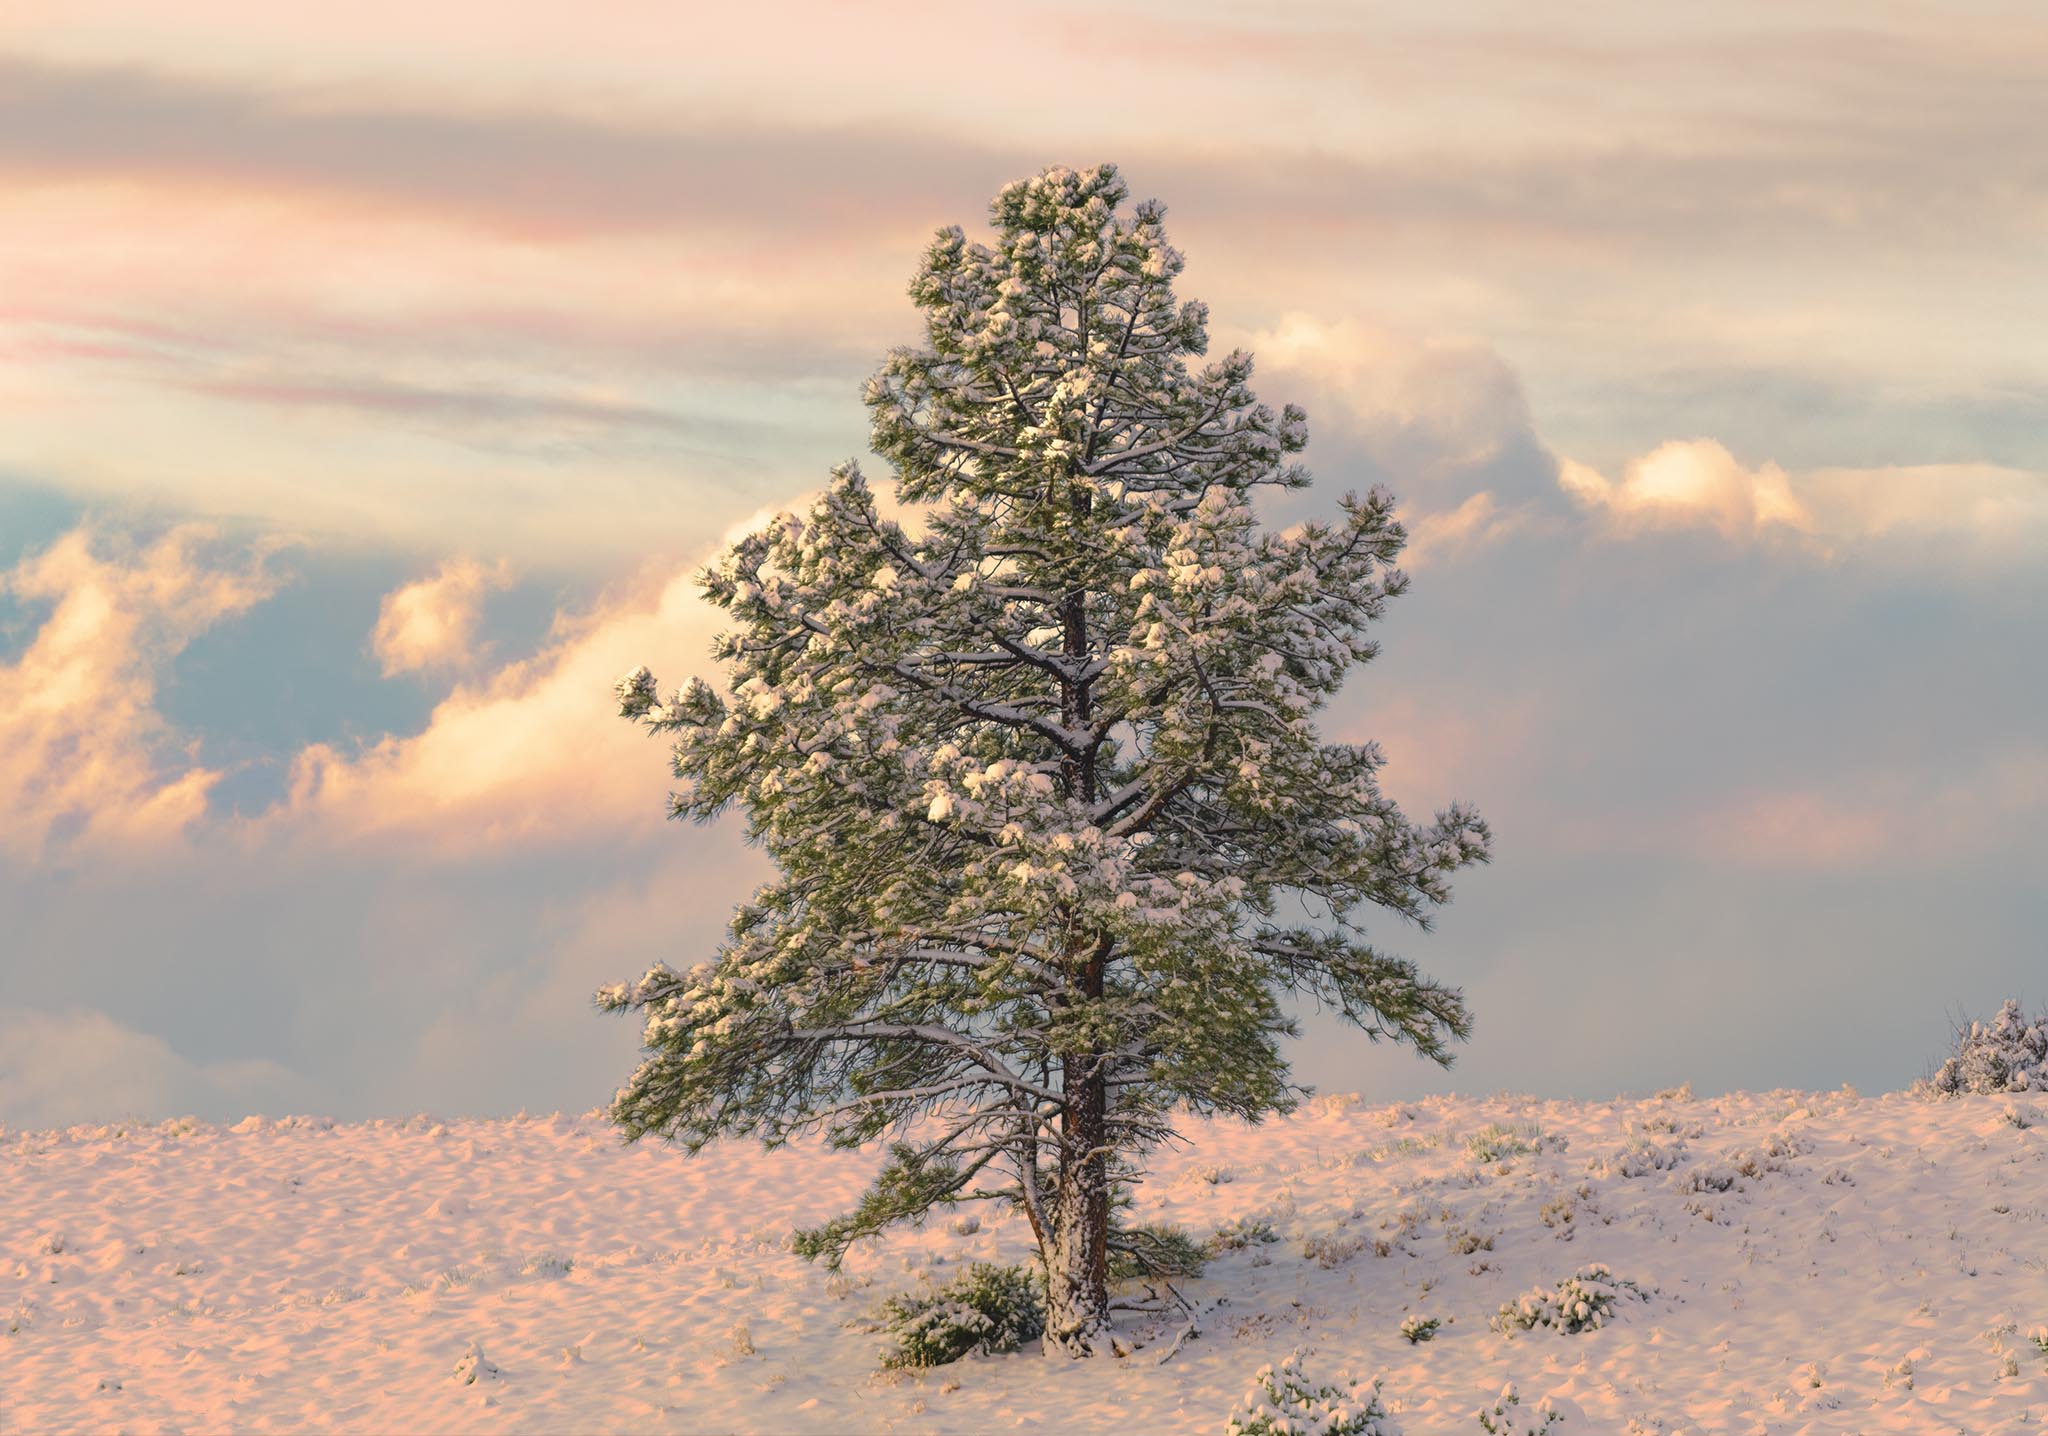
(1034,751)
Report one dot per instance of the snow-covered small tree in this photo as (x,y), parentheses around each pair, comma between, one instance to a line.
(2007,1054)
(1058,838)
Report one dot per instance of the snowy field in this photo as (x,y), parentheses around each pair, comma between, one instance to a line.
(1818,1263)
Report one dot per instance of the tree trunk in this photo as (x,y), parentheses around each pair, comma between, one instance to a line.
(1077,1267)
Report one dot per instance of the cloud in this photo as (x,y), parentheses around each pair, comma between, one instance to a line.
(432,623)
(1427,411)
(78,1065)
(1474,524)
(1999,806)
(86,761)
(531,754)
(528,754)
(545,173)
(1689,483)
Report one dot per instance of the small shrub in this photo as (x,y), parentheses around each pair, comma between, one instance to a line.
(1283,1401)
(1582,1302)
(1711,1177)
(1509,1417)
(474,1367)
(1237,1235)
(985,1310)
(1334,1249)
(1775,1155)
(1155,1252)
(1464,1241)
(1419,1329)
(2007,1054)
(1642,1157)
(1495,1142)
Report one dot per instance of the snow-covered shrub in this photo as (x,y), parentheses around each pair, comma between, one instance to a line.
(1507,1416)
(1464,1241)
(1235,1236)
(985,1310)
(2007,1054)
(474,1367)
(1639,1158)
(1419,1328)
(1710,1177)
(1774,1155)
(1582,1302)
(1154,1251)
(1333,1249)
(1284,1401)
(1494,1143)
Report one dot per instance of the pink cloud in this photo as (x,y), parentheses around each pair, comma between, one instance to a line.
(1881,817)
(77,1065)
(1698,483)
(86,761)
(532,754)
(432,623)
(1691,482)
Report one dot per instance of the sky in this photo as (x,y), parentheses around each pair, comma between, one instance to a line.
(373,379)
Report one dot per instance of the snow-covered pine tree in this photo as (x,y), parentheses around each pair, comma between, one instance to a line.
(1058,840)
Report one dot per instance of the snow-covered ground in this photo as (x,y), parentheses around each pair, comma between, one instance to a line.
(1820,1262)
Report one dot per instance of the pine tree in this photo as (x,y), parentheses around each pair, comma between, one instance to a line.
(1057,838)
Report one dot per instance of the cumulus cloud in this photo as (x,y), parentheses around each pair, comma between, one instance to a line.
(79,1065)
(85,758)
(1477,522)
(1431,410)
(1689,483)
(432,623)
(531,753)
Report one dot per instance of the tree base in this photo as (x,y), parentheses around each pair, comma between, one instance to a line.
(1077,1336)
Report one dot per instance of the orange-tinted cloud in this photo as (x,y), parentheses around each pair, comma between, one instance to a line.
(432,623)
(1689,483)
(86,761)
(532,754)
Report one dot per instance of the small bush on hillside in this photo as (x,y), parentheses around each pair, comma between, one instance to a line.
(1495,1143)
(1154,1251)
(1235,1236)
(1332,1249)
(985,1310)
(1419,1329)
(1639,1158)
(2007,1054)
(1583,1301)
(1283,1401)
(1507,1416)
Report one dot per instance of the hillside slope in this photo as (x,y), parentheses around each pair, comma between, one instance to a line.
(1817,1263)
